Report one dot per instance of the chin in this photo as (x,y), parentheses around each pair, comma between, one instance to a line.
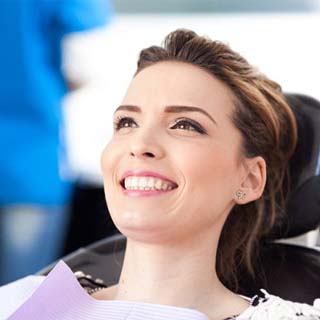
(146,236)
(141,229)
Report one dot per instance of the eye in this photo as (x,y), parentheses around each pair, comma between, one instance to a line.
(124,122)
(188,125)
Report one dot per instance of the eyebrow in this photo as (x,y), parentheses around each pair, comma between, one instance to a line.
(169,109)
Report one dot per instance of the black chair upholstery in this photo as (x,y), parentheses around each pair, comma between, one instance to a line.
(102,259)
(289,271)
(304,202)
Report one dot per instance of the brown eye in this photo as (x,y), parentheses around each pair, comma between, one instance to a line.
(185,126)
(188,125)
(125,122)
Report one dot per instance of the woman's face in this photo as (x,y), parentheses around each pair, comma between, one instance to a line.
(173,165)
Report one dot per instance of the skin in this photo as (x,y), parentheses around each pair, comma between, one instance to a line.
(173,237)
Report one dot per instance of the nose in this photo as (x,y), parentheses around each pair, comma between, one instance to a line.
(144,146)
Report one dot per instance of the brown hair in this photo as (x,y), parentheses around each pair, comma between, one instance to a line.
(268,129)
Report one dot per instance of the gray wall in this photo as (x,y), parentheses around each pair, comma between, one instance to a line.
(211,6)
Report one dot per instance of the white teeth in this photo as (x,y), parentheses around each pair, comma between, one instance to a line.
(127,182)
(150,183)
(134,181)
(164,186)
(142,182)
(146,183)
(158,184)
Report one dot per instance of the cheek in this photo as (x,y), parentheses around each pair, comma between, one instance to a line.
(109,160)
(210,167)
(210,176)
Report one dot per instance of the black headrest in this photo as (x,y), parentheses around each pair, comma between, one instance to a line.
(303,207)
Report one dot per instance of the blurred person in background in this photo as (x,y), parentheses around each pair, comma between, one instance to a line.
(35,180)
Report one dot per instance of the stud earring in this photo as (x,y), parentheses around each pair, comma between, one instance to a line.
(240,194)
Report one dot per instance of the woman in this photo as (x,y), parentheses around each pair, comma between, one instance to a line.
(194,176)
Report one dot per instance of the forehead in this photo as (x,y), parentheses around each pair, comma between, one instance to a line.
(178,83)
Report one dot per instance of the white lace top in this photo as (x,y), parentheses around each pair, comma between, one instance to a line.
(270,307)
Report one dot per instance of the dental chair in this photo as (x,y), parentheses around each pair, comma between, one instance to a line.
(287,270)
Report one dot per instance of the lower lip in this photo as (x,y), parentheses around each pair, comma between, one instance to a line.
(145,193)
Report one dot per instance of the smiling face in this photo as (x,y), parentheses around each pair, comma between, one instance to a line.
(173,165)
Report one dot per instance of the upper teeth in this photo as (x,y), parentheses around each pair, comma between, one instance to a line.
(146,183)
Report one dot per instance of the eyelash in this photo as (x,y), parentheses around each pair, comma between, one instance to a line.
(189,123)
(120,122)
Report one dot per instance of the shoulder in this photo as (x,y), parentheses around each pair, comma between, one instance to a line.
(266,306)
(15,293)
(88,283)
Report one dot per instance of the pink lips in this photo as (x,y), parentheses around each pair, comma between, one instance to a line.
(139,193)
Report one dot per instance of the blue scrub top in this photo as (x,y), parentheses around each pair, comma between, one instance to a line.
(31,89)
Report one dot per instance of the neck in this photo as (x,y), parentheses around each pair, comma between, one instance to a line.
(181,274)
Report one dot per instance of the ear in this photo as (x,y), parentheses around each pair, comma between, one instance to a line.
(253,182)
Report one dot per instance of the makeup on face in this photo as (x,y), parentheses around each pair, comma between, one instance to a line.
(170,165)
